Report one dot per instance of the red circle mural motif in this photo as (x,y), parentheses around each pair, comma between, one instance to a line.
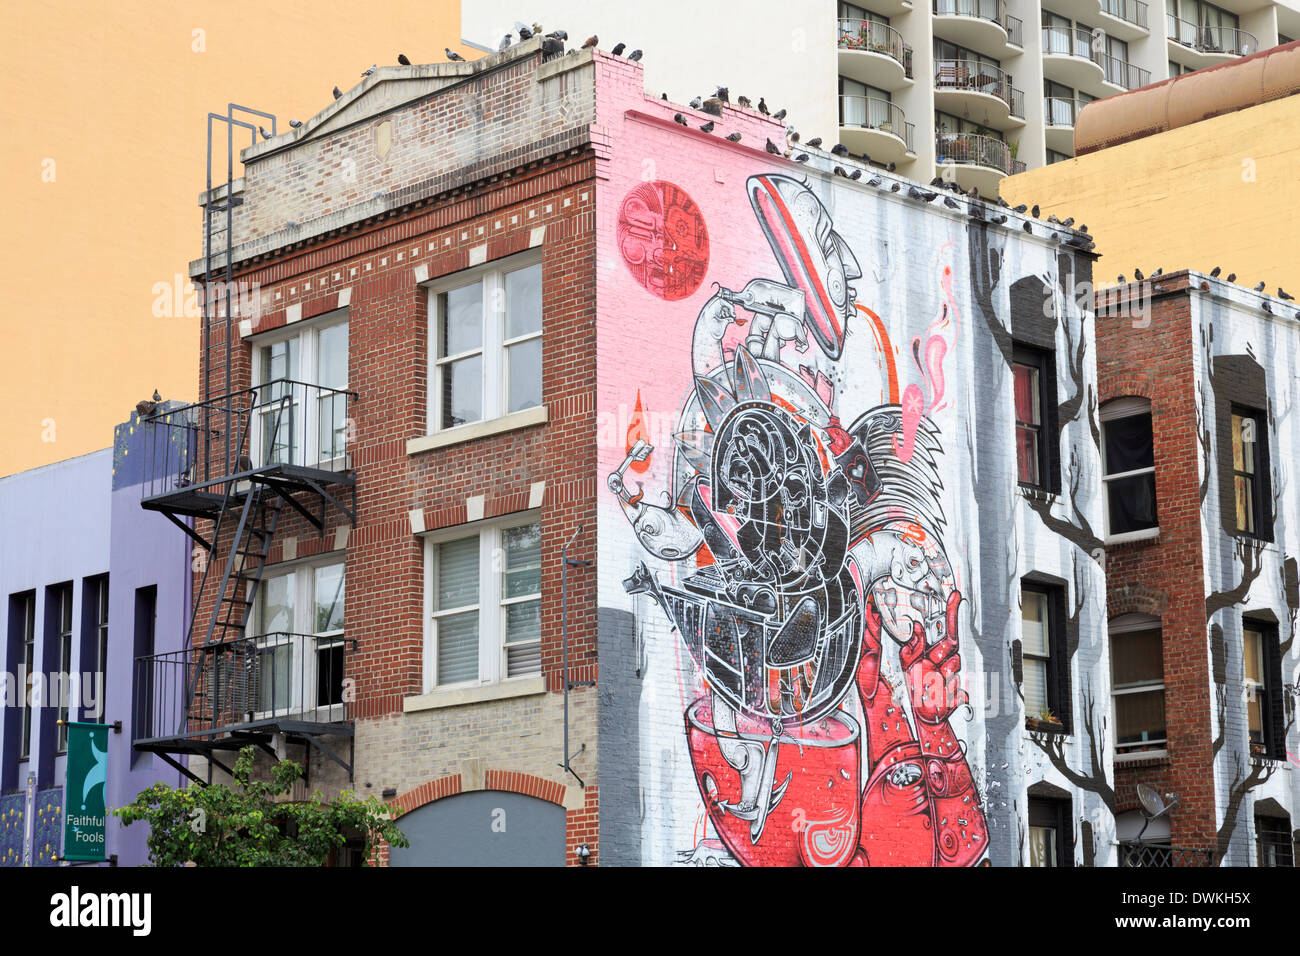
(663,239)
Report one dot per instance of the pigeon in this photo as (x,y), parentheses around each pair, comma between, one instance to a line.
(634,56)
(1003,203)
(401,59)
(1068,223)
(696,103)
(663,96)
(294,124)
(973,193)
(873,181)
(1260,287)
(744,102)
(891,167)
(265,134)
(1084,228)
(337,92)
(373,69)
(792,136)
(865,158)
(723,94)
(558,35)
(618,49)
(1028,228)
(452,55)
(839,149)
(1034,212)
(1021,208)
(1232,277)
(762,106)
(921,194)
(733,138)
(840,171)
(814,143)
(524,32)
(1214,273)
(1264,306)
(895,187)
(779,115)
(1137,274)
(712,106)
(1284,295)
(1121,280)
(1053,220)
(590,42)
(771,148)
(680,120)
(801,158)
(950,202)
(504,44)
(707,127)
(537,29)
(1157,272)
(937,181)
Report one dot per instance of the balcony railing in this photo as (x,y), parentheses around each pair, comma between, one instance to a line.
(1015,30)
(868,36)
(871,112)
(1209,39)
(1070,41)
(971,149)
(1059,111)
(979,77)
(1134,11)
(203,692)
(282,423)
(1125,74)
(1151,854)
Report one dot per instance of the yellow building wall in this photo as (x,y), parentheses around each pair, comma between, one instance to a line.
(103,119)
(1224,191)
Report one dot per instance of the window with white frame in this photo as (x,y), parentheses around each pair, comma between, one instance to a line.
(1128,469)
(301,379)
(484,588)
(299,647)
(1137,683)
(486,340)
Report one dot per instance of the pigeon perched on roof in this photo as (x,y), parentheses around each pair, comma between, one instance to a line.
(841,171)
(373,69)
(1214,273)
(294,124)
(590,42)
(1137,274)
(712,106)
(891,167)
(1021,208)
(707,127)
(733,138)
(402,60)
(744,102)
(634,56)
(618,49)
(524,32)
(696,103)
(839,149)
(814,143)
(504,44)
(1068,222)
(452,55)
(723,94)
(950,202)
(873,181)
(762,106)
(558,35)
(680,120)
(337,92)
(802,158)
(1034,212)
(779,114)
(1232,277)
(895,186)
(772,148)
(937,181)
(1260,287)
(265,134)
(1284,295)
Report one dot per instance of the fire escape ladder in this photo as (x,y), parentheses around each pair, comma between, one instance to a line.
(244,565)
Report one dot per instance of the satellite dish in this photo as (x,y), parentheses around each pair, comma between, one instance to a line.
(1153,805)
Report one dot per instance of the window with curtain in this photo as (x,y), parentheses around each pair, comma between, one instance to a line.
(1249,431)
(1273,841)
(1262,677)
(1128,466)
(1041,616)
(1049,838)
(1137,684)
(1033,380)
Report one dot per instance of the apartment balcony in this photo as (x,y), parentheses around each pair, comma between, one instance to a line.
(980,25)
(876,127)
(975,161)
(1123,74)
(1059,117)
(290,436)
(1199,46)
(875,54)
(980,91)
(1125,19)
(1070,57)
(220,697)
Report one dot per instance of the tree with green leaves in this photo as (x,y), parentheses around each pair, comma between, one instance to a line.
(248,825)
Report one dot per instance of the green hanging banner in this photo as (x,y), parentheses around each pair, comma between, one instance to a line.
(83,795)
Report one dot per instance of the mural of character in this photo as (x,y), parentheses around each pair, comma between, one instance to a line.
(819,569)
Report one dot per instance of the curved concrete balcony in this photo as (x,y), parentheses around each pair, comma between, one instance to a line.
(875,54)
(1059,115)
(981,25)
(876,127)
(1070,57)
(978,90)
(1206,45)
(975,161)
(1122,74)
(1125,19)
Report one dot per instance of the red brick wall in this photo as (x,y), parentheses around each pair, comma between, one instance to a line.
(1165,577)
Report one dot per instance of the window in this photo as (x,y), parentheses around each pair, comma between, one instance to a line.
(145,625)
(1041,615)
(27,621)
(1137,684)
(62,598)
(300,644)
(1249,465)
(487,339)
(1050,842)
(1273,841)
(1033,382)
(485,604)
(302,408)
(94,647)
(1262,674)
(1054,157)
(863,105)
(1128,467)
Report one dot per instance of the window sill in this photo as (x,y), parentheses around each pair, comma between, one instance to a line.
(1036,493)
(474,430)
(1146,536)
(458,696)
(1142,759)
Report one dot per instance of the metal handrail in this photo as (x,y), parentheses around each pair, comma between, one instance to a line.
(203,445)
(1071,41)
(972,149)
(871,36)
(1060,111)
(1123,73)
(871,112)
(1015,30)
(1207,39)
(1132,11)
(979,77)
(995,11)
(212,689)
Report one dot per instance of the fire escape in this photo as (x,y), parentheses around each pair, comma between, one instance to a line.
(226,470)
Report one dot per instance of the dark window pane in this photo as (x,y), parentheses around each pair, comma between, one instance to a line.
(1128,444)
(1132,503)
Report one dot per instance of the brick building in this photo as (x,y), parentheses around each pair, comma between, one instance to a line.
(821,453)
(1197,387)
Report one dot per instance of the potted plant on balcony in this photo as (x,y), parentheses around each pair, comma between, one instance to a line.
(1045,723)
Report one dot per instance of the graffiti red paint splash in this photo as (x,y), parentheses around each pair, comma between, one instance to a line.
(663,240)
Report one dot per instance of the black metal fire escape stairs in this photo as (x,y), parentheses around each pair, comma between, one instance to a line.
(206,465)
